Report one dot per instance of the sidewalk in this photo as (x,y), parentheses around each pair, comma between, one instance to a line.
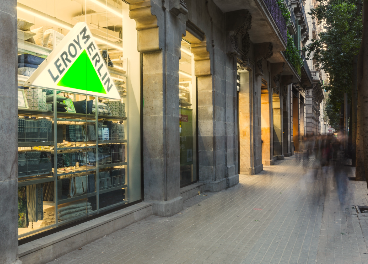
(286,214)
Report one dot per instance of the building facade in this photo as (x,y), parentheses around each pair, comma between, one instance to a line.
(127,108)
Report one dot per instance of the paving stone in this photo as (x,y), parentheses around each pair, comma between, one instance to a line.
(285,214)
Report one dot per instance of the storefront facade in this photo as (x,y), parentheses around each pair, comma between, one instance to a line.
(123,105)
(78,90)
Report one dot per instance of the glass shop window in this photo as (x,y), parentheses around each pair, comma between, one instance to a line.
(187,115)
(78,81)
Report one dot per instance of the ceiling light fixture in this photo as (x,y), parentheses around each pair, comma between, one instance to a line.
(185,74)
(61,23)
(107,7)
(118,67)
(186,52)
(44,16)
(117,79)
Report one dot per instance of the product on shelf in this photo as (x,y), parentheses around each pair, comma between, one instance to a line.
(75,185)
(51,38)
(83,107)
(118,176)
(34,130)
(34,202)
(33,163)
(102,109)
(22,207)
(117,108)
(66,212)
(117,131)
(91,132)
(36,99)
(75,133)
(27,64)
(30,60)
(24,24)
(109,130)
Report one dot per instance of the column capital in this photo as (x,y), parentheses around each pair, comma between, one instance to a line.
(238,23)
(262,51)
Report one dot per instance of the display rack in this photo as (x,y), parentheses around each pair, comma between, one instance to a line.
(54,147)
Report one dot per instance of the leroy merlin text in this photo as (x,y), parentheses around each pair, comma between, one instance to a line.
(63,62)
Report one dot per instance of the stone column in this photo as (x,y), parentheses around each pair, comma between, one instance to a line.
(246,125)
(8,133)
(302,117)
(291,136)
(277,105)
(230,115)
(257,121)
(263,101)
(159,41)
(296,122)
(211,119)
(238,44)
(206,118)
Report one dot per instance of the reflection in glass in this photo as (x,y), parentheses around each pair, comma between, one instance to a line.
(187,107)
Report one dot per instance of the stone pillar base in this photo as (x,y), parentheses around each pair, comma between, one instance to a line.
(232,181)
(268,162)
(215,186)
(167,208)
(253,170)
(280,157)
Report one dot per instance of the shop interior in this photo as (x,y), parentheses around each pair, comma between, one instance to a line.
(73,147)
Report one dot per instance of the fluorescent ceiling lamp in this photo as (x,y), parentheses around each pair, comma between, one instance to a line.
(107,7)
(108,43)
(117,79)
(186,52)
(43,16)
(61,23)
(185,74)
(119,68)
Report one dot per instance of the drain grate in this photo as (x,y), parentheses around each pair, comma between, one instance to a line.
(362,209)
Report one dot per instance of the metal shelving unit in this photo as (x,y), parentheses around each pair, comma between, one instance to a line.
(55,148)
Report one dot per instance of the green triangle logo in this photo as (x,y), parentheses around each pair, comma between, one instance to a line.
(82,76)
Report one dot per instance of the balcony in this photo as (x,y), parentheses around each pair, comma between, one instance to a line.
(315,76)
(307,80)
(268,24)
(276,14)
(292,23)
(305,26)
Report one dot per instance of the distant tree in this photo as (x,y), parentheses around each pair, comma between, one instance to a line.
(335,51)
(335,48)
(332,114)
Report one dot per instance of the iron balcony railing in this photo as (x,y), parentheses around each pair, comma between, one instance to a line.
(307,70)
(305,17)
(275,12)
(306,66)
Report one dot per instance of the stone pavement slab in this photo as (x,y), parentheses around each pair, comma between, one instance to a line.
(286,214)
